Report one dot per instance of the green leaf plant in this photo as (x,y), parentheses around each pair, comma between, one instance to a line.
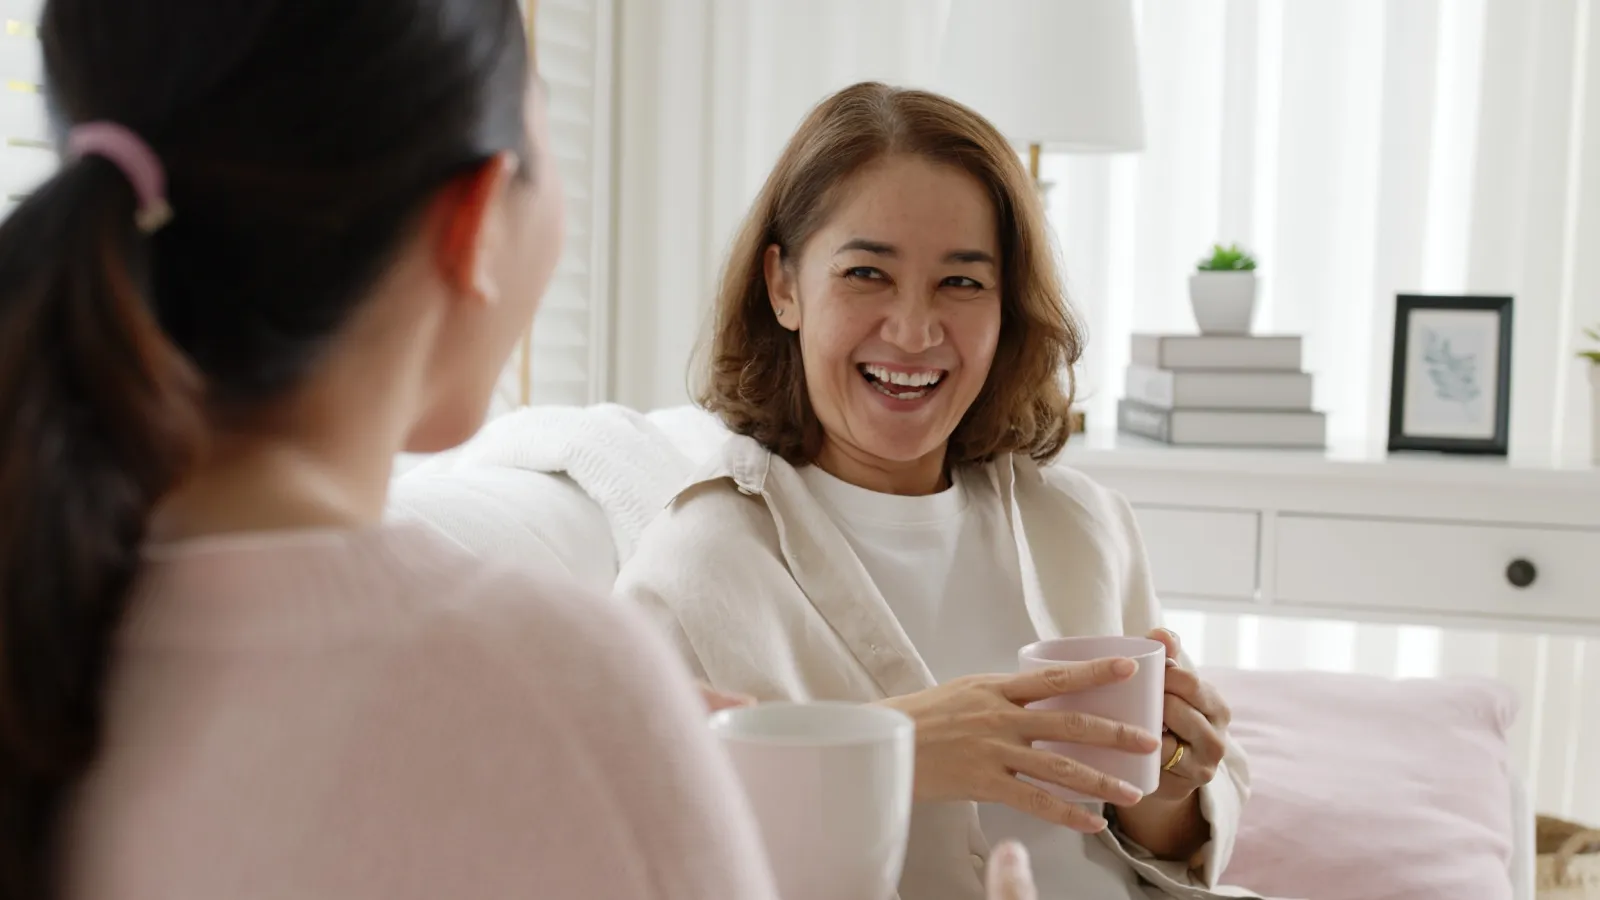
(1232,258)
(1592,354)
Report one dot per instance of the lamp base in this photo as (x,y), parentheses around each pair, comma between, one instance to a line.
(1034,151)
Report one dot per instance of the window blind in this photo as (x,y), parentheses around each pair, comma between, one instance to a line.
(567,361)
(27,156)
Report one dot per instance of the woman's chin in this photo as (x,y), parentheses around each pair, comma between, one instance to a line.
(900,430)
(898,440)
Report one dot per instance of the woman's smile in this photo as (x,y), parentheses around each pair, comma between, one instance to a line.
(903,388)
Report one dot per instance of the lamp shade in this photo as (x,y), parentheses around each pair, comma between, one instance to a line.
(1060,73)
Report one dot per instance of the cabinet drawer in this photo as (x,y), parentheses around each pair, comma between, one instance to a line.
(1438,567)
(1202,553)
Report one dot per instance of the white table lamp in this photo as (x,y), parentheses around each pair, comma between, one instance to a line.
(1052,74)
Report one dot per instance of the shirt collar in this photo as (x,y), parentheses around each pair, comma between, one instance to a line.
(746,463)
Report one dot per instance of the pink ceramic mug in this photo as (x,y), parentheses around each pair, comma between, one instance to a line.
(1137,701)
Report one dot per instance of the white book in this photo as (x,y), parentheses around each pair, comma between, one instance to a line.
(1217,351)
(1216,389)
(1223,428)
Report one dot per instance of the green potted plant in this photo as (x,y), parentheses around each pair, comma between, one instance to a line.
(1593,356)
(1223,291)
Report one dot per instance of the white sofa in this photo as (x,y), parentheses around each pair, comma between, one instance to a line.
(541,518)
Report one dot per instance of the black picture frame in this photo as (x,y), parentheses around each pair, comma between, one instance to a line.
(1451,376)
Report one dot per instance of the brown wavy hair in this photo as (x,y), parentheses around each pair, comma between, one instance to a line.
(752,375)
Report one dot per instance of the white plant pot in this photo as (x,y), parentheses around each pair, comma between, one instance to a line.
(1224,302)
(1594,413)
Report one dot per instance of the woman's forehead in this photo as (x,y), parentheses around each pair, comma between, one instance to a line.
(914,206)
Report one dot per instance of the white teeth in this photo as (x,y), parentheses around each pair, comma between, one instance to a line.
(898,395)
(907,379)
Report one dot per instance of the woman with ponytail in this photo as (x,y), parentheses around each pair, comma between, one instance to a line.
(289,239)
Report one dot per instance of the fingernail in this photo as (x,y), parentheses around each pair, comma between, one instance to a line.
(1129,793)
(1099,823)
(1124,667)
(1012,858)
(1171,663)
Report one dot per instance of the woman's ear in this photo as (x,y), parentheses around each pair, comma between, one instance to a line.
(781,288)
(471,229)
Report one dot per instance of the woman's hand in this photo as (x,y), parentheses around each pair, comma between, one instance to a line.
(974,738)
(1010,876)
(715,699)
(1168,823)
(1195,719)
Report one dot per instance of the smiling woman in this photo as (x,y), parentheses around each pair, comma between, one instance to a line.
(898,230)
(900,328)
(894,352)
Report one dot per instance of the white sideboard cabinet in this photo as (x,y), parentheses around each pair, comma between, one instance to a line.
(1433,540)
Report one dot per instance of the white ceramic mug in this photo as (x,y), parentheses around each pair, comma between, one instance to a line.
(830,784)
(1138,701)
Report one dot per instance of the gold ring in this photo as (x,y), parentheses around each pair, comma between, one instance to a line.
(1176,756)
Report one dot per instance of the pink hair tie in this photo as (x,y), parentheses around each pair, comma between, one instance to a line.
(139,164)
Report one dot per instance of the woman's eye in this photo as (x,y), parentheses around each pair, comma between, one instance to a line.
(963,283)
(865,273)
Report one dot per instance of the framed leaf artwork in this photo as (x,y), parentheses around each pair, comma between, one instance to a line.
(1451,384)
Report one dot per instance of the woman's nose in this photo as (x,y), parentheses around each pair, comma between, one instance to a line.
(913,324)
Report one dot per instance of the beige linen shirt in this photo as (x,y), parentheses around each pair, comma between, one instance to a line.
(762,594)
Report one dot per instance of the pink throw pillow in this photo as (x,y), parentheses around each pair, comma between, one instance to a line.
(1371,788)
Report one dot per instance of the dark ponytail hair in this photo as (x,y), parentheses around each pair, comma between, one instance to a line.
(302,140)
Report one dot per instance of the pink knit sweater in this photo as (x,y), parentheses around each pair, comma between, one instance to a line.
(376,715)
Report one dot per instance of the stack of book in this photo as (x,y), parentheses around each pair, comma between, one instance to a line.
(1220,391)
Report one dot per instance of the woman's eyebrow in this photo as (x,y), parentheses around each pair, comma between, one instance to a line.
(883,249)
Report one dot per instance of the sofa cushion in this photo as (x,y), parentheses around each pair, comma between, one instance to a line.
(540,519)
(1372,788)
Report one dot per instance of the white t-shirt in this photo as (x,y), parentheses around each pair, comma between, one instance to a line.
(947,565)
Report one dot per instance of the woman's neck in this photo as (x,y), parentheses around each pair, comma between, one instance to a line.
(323,464)
(271,487)
(319,458)
(912,478)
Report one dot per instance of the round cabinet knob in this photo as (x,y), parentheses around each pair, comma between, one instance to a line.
(1521,573)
